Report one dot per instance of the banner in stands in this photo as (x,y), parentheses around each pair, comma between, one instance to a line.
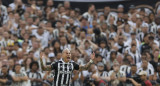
(92,0)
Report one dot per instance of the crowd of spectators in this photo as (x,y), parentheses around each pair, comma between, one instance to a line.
(126,44)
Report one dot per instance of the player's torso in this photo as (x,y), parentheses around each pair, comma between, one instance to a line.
(63,73)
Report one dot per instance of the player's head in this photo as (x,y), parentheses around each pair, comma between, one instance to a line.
(66,55)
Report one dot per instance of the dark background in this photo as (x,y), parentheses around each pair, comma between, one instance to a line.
(84,5)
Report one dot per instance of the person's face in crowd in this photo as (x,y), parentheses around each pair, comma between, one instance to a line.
(103,45)
(148,56)
(58,24)
(146,39)
(133,49)
(48,9)
(17,17)
(40,13)
(120,15)
(18,2)
(104,27)
(20,54)
(17,68)
(99,59)
(156,54)
(63,20)
(71,22)
(133,36)
(144,64)
(139,21)
(111,20)
(66,55)
(46,51)
(56,45)
(1,31)
(119,23)
(120,40)
(130,59)
(39,2)
(11,62)
(62,33)
(33,2)
(22,24)
(48,24)
(4,70)
(146,19)
(24,45)
(63,40)
(125,16)
(61,9)
(50,3)
(133,69)
(28,61)
(86,44)
(92,8)
(100,68)
(23,31)
(102,18)
(34,67)
(92,68)
(94,23)
(40,31)
(26,36)
(151,16)
(82,34)
(6,35)
(144,56)
(35,45)
(142,13)
(84,22)
(77,31)
(72,13)
(30,55)
(143,77)
(134,18)
(30,21)
(75,58)
(113,55)
(127,28)
(11,15)
(120,9)
(58,56)
(106,10)
(116,67)
(158,68)
(66,4)
(26,15)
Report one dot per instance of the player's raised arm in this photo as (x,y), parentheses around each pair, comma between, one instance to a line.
(85,67)
(44,68)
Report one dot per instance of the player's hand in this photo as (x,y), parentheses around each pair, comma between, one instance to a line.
(92,56)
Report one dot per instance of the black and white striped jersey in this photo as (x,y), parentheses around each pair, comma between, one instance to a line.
(35,75)
(63,72)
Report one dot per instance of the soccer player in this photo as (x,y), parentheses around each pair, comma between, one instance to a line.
(64,68)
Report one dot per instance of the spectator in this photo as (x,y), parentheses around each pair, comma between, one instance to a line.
(36,80)
(19,78)
(5,78)
(143,76)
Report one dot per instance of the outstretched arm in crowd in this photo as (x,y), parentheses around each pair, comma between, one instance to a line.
(85,67)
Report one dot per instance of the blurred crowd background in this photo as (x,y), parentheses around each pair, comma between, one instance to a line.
(126,43)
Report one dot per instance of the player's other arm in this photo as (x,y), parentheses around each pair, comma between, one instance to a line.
(45,68)
(85,67)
